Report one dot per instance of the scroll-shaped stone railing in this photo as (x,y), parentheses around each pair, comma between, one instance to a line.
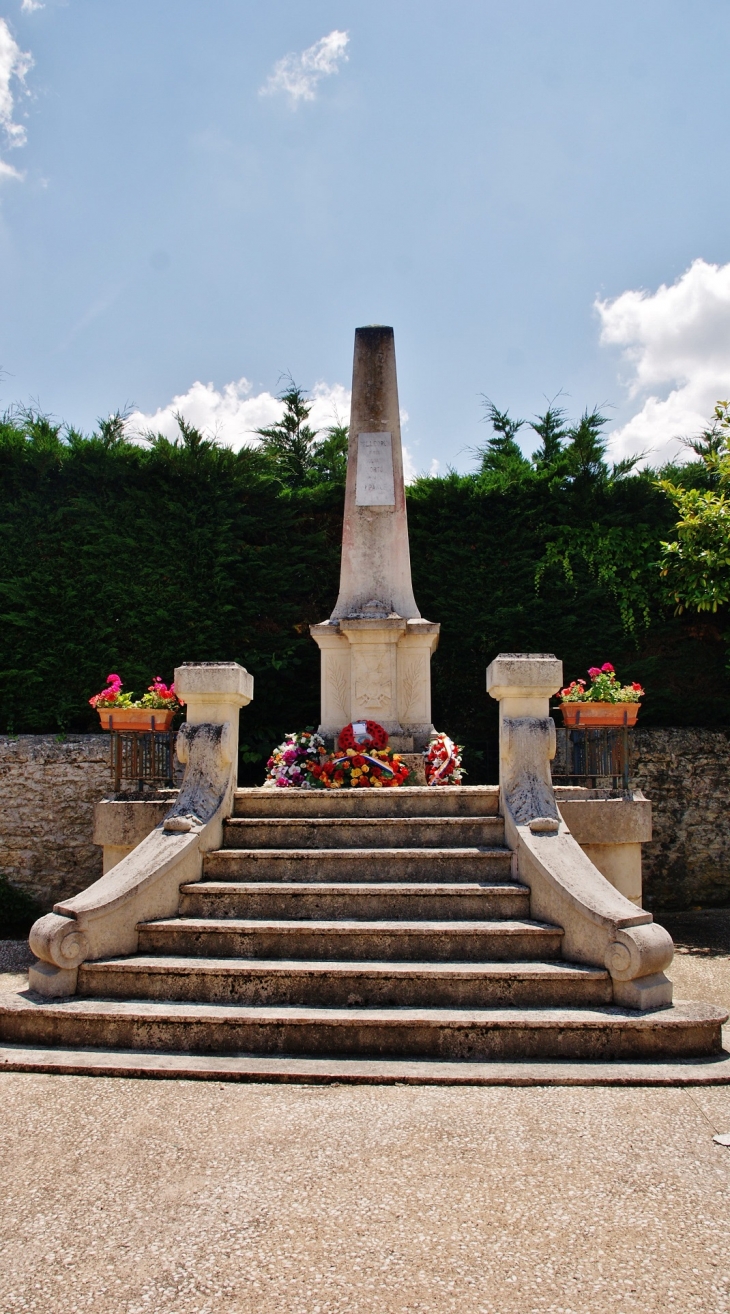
(103,919)
(601,927)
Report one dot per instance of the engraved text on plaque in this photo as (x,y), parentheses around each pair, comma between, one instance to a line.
(375,485)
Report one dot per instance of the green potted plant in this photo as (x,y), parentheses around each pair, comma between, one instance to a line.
(604,702)
(153,711)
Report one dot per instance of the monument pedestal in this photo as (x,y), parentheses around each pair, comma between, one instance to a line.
(378,669)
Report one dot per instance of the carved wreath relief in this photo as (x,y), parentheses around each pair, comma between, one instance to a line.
(338,685)
(412,691)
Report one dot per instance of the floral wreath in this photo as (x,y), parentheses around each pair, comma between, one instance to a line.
(362,735)
(443,761)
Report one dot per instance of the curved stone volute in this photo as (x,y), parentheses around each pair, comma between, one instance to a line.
(103,919)
(601,927)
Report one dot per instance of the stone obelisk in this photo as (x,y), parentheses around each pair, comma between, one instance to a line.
(376,648)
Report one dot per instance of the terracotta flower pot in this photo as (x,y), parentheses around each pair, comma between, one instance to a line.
(593,716)
(134,718)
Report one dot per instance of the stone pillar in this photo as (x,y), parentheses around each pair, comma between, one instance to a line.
(376,648)
(523,683)
(213,693)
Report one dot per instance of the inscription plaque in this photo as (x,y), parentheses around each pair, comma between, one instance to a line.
(375,485)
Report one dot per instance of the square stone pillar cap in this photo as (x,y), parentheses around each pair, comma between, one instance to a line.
(214,680)
(529,674)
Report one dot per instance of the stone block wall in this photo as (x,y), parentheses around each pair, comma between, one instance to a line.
(686,775)
(48,788)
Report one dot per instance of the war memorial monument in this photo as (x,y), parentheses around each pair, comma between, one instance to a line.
(462,933)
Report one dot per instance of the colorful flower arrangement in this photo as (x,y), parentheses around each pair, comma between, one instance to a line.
(351,769)
(604,688)
(443,761)
(159,696)
(292,761)
(362,760)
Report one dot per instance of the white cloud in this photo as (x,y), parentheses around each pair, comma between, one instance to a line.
(330,405)
(409,466)
(7,171)
(676,342)
(14,64)
(232,413)
(297,75)
(30,6)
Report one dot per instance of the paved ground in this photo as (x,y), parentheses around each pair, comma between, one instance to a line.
(193,1198)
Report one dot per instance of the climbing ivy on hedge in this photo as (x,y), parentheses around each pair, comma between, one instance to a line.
(118,556)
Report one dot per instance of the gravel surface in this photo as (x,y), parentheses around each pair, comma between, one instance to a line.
(124,1196)
(184,1197)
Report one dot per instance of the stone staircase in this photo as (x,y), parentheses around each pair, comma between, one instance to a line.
(358,925)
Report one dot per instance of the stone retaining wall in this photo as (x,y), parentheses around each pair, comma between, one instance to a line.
(48,788)
(686,775)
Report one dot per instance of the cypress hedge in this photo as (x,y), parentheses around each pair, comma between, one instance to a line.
(118,556)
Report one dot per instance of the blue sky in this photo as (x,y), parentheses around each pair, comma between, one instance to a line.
(534,195)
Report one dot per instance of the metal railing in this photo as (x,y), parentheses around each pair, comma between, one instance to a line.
(146,757)
(586,757)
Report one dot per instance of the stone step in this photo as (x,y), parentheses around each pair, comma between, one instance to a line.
(499,1034)
(371,902)
(442,801)
(681,1072)
(389,941)
(346,985)
(358,865)
(362,832)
